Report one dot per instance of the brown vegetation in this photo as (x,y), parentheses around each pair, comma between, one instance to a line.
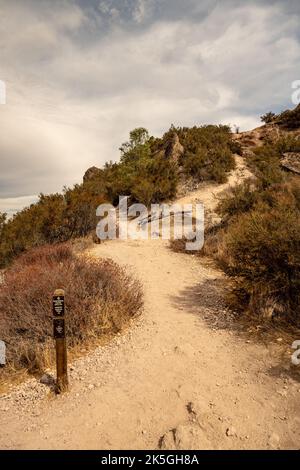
(100,300)
(148,172)
(258,244)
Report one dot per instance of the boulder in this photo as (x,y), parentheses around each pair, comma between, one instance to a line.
(291,162)
(174,150)
(170,148)
(91,174)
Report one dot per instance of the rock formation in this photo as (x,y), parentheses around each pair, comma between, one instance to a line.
(291,162)
(91,173)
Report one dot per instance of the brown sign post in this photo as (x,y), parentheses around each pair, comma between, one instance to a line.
(60,340)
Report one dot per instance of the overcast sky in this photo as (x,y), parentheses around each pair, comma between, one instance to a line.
(81,74)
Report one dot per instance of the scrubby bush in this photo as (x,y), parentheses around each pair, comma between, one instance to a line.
(238,199)
(265,164)
(290,119)
(100,299)
(260,247)
(208,152)
(268,117)
(54,218)
(263,251)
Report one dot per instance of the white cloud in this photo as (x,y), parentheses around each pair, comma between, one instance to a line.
(74,90)
(12,205)
(142,10)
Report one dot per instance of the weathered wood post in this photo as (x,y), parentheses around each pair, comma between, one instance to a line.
(2,354)
(60,340)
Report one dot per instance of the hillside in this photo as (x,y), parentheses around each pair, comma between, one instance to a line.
(149,172)
(207,365)
(182,377)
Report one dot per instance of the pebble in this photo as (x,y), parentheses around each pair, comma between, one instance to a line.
(46,379)
(230,432)
(282,393)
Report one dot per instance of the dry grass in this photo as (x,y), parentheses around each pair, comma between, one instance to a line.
(101,298)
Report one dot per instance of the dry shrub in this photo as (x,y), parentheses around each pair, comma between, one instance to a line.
(179,245)
(238,199)
(262,253)
(79,245)
(259,248)
(100,299)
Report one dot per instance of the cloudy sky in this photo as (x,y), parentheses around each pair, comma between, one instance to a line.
(81,74)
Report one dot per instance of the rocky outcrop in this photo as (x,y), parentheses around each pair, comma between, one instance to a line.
(91,174)
(291,162)
(174,150)
(170,148)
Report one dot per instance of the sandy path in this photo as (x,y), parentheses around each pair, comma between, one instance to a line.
(173,370)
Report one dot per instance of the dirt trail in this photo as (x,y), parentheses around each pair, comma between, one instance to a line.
(176,379)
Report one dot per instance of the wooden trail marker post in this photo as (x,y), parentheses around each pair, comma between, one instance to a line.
(58,304)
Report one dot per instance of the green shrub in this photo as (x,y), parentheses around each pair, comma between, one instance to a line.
(54,218)
(208,152)
(238,200)
(268,117)
(263,250)
(259,247)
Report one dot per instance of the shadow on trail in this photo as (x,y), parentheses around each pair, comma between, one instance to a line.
(207,301)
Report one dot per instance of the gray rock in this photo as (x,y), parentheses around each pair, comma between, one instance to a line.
(291,162)
(91,174)
(47,379)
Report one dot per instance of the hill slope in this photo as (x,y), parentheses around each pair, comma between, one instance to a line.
(177,379)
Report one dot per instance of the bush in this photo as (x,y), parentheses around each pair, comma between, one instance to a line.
(54,218)
(239,199)
(290,119)
(263,250)
(208,152)
(268,117)
(259,247)
(100,299)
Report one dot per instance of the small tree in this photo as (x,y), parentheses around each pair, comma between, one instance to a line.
(268,117)
(138,137)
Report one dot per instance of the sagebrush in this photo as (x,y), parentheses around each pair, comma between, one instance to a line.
(101,298)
